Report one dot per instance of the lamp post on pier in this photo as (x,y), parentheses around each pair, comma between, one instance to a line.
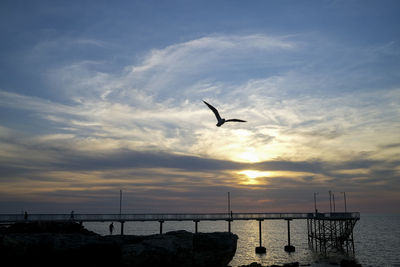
(120,202)
(334,205)
(229,203)
(120,212)
(345,204)
(315,202)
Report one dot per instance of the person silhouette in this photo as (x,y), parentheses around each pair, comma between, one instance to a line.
(111,227)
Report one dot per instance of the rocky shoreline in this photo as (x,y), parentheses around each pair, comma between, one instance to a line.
(343,263)
(69,244)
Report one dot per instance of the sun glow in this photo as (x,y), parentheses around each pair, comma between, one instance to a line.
(255,174)
(249,156)
(252,175)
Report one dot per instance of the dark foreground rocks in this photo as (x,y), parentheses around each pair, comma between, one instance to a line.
(349,263)
(71,245)
(343,263)
(255,264)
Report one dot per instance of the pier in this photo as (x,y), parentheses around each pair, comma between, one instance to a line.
(331,233)
(326,231)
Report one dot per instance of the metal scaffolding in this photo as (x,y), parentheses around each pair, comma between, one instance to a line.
(327,234)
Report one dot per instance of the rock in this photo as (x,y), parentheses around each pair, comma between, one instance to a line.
(22,246)
(349,263)
(181,248)
(255,264)
(214,249)
(47,227)
(171,249)
(49,249)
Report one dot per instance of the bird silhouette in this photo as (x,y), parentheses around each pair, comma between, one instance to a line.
(220,120)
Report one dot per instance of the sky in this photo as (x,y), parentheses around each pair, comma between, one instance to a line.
(102,96)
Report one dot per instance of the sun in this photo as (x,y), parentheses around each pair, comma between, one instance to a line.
(252,176)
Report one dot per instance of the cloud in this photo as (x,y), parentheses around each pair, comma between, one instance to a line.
(204,50)
(53,155)
(128,109)
(31,103)
(171,69)
(60,173)
(146,129)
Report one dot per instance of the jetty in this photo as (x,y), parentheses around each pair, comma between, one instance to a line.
(325,231)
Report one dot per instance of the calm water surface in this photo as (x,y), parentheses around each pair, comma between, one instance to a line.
(377,239)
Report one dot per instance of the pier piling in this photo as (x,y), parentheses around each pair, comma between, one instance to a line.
(122,227)
(289,248)
(229,225)
(161,223)
(260,249)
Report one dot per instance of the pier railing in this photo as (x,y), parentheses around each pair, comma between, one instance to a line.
(12,218)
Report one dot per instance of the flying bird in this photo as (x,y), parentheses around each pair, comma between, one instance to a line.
(220,120)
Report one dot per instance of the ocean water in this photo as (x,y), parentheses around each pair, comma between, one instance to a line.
(377,239)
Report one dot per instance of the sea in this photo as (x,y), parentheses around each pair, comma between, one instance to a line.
(377,240)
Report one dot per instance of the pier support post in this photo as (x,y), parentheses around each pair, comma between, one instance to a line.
(315,234)
(195,225)
(260,249)
(122,227)
(308,231)
(229,224)
(289,248)
(161,223)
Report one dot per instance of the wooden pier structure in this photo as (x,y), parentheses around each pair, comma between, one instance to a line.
(331,233)
(326,231)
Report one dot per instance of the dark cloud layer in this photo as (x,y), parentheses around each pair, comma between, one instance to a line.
(162,181)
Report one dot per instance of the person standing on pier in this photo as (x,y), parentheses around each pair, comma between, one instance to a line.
(111,228)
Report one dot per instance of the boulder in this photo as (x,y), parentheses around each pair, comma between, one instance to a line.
(24,246)
(349,263)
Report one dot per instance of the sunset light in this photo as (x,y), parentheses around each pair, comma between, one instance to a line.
(231,109)
(248,156)
(252,177)
(255,174)
(91,108)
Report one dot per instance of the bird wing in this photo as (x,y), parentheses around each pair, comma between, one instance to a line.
(213,110)
(235,120)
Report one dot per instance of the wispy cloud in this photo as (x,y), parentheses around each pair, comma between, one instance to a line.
(146,129)
(129,110)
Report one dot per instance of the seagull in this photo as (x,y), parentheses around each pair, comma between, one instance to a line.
(220,120)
